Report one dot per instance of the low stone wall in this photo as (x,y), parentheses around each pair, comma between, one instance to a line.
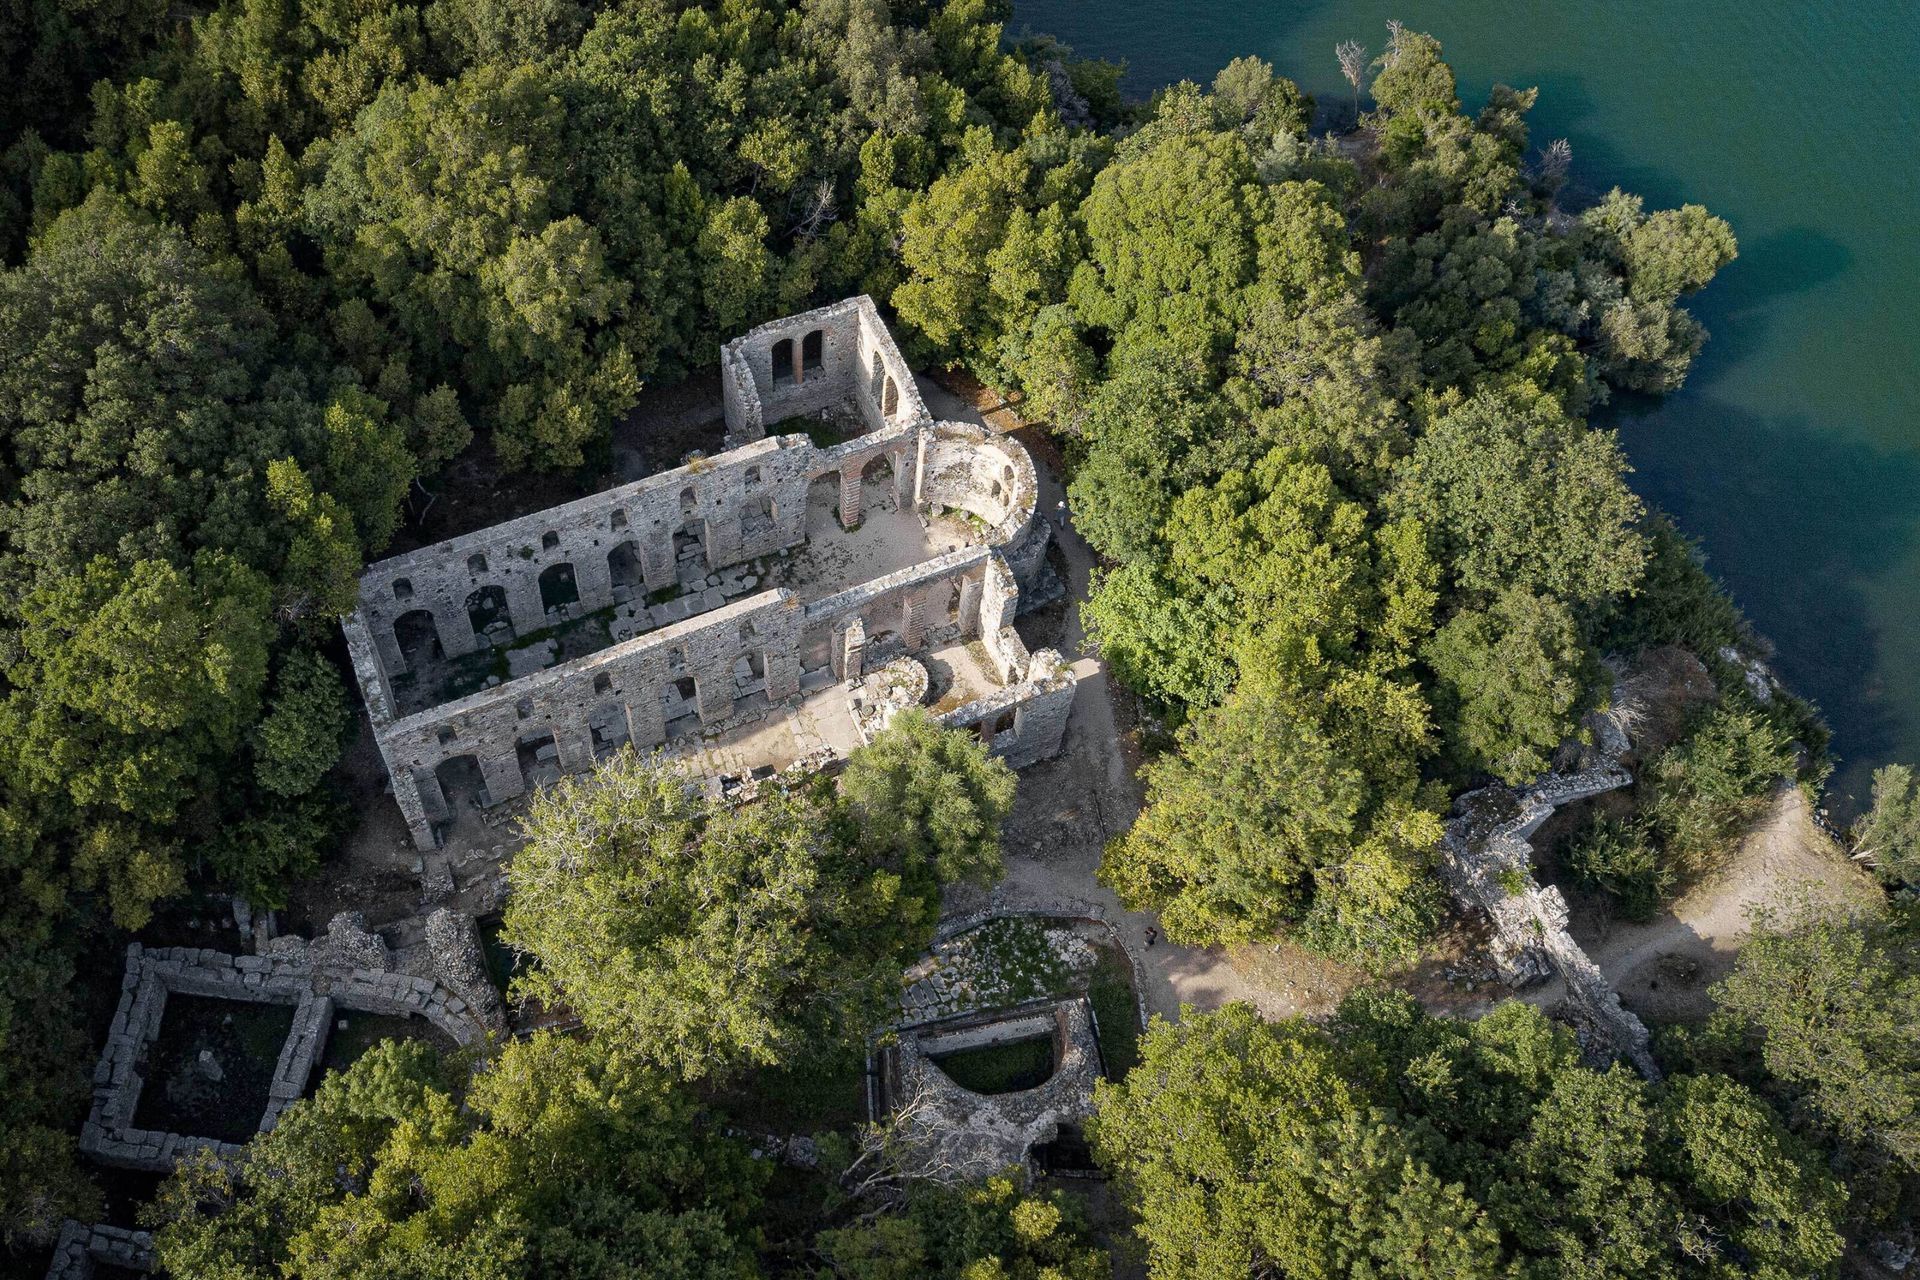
(955,1134)
(1486,861)
(316,978)
(83,1247)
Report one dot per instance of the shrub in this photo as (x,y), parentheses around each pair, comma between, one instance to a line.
(1706,786)
(1619,859)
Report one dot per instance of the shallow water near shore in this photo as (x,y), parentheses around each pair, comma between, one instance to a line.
(1794,452)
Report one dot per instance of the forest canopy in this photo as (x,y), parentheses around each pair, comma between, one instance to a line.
(268,271)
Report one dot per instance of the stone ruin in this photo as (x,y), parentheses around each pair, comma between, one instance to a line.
(1486,860)
(82,1249)
(679,569)
(349,967)
(951,1133)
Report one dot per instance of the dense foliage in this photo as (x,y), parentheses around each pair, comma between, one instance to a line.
(1819,1013)
(1394,1144)
(557,1160)
(265,267)
(708,937)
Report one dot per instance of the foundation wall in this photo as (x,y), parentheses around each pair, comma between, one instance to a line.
(710,668)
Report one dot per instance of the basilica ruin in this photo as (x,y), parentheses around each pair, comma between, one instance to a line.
(733,612)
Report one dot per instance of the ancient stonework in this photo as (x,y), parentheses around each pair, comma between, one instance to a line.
(83,1249)
(955,1134)
(658,563)
(1487,862)
(345,969)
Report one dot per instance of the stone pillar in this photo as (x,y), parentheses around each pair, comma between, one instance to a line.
(388,644)
(593,578)
(783,672)
(573,744)
(914,492)
(646,723)
(850,497)
(656,560)
(799,359)
(969,608)
(454,628)
(407,792)
(913,621)
(502,775)
(713,692)
(849,646)
(722,538)
(523,601)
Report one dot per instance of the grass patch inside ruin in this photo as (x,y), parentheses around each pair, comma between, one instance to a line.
(1110,992)
(353,1032)
(223,1094)
(1000,1068)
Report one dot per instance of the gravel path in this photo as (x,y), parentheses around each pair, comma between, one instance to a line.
(1069,807)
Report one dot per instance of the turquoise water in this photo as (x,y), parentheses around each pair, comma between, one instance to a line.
(1794,452)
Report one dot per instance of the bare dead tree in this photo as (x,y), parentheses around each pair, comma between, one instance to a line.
(1353,65)
(1556,161)
(1396,32)
(820,210)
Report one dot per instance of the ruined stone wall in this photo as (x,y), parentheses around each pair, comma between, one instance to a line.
(1026,722)
(840,354)
(955,1134)
(83,1249)
(633,691)
(315,978)
(991,478)
(938,599)
(1486,861)
(746,503)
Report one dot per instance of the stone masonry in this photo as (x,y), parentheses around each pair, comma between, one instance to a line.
(954,1134)
(684,675)
(83,1249)
(1486,861)
(344,969)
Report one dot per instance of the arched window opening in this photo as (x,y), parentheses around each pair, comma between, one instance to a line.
(782,359)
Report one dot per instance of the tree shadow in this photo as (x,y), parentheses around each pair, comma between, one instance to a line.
(1797,522)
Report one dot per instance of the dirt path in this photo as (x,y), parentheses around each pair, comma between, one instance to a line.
(1663,968)
(1069,807)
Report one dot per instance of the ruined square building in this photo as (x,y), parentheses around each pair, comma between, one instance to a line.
(800,578)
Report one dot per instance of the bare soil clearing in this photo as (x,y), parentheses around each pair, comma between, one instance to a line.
(1662,968)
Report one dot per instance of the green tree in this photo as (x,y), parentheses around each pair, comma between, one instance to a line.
(699,937)
(557,1160)
(1277,791)
(1519,496)
(927,803)
(985,1232)
(1830,1006)
(1707,786)
(1412,77)
(1511,681)
(307,718)
(1391,1143)
(1889,832)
